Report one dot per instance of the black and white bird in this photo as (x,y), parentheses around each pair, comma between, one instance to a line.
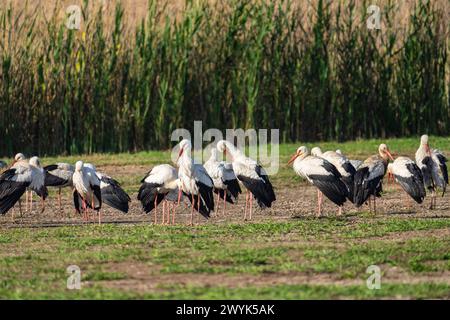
(226,184)
(15,181)
(112,193)
(159,183)
(369,177)
(194,182)
(354,163)
(59,176)
(409,176)
(86,193)
(252,175)
(342,164)
(432,163)
(323,175)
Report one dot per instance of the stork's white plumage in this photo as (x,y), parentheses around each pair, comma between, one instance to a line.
(87,193)
(369,176)
(409,176)
(225,182)
(112,193)
(252,176)
(159,182)
(59,176)
(323,175)
(432,163)
(195,182)
(342,164)
(16,180)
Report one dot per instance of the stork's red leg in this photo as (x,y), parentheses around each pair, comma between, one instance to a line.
(156,211)
(192,210)
(224,203)
(251,205)
(246,203)
(218,202)
(59,199)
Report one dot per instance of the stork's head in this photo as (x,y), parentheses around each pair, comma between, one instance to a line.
(424,142)
(19,157)
(316,151)
(301,152)
(34,161)
(338,151)
(227,147)
(185,146)
(384,152)
(79,166)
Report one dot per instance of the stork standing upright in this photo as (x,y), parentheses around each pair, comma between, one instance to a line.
(342,164)
(369,177)
(432,163)
(59,176)
(15,181)
(194,182)
(323,175)
(410,178)
(226,185)
(87,193)
(159,183)
(112,193)
(252,176)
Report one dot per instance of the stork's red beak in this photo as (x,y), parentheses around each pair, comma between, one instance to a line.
(180,153)
(295,156)
(389,155)
(427,149)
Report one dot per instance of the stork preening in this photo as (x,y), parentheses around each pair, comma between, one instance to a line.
(112,193)
(59,176)
(86,193)
(161,182)
(226,184)
(342,164)
(15,181)
(409,176)
(323,175)
(369,177)
(253,177)
(194,182)
(432,163)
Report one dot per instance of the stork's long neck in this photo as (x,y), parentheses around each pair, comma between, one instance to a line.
(186,163)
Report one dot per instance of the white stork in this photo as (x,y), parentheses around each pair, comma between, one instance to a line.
(161,182)
(15,181)
(112,193)
(342,164)
(410,178)
(195,182)
(59,176)
(369,177)
(226,185)
(323,175)
(252,176)
(87,193)
(432,163)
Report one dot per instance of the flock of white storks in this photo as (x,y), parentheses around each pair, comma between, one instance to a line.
(334,176)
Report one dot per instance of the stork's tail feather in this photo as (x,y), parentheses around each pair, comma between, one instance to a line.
(148,192)
(361,190)
(233,187)
(349,182)
(115,197)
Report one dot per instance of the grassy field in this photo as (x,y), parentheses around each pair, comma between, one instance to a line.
(285,253)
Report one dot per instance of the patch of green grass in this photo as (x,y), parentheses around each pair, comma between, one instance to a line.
(36,259)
